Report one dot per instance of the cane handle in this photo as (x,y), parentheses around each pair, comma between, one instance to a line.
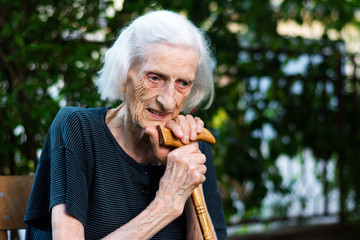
(167,138)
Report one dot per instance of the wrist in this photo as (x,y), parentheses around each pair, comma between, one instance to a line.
(173,204)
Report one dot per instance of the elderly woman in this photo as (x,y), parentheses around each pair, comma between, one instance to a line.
(102,173)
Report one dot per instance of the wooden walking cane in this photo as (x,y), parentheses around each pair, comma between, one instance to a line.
(167,138)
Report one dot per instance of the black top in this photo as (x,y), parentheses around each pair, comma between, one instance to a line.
(83,166)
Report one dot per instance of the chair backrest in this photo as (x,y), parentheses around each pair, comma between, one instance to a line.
(14,196)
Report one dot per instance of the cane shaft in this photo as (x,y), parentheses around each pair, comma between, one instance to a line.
(167,138)
(202,214)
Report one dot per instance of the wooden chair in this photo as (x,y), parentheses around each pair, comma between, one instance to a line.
(14,196)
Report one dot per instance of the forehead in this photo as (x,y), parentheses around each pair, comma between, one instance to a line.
(170,59)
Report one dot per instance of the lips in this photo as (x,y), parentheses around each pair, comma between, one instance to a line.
(158,116)
(157,113)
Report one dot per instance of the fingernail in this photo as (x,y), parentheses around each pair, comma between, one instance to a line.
(193,136)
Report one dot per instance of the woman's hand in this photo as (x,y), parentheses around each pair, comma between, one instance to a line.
(185,127)
(185,170)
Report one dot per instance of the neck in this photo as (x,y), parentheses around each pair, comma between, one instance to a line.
(130,135)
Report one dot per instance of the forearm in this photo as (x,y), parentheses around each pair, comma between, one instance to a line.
(160,212)
(155,217)
(64,225)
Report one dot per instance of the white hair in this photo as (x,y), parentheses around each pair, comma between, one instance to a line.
(157,27)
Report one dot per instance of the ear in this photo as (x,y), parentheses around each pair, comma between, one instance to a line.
(123,87)
(125,82)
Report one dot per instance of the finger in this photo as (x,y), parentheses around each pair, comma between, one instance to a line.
(188,154)
(197,158)
(197,178)
(199,124)
(191,155)
(175,128)
(179,128)
(202,169)
(192,126)
(203,178)
(193,147)
(181,119)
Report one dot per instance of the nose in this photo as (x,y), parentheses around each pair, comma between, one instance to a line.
(167,97)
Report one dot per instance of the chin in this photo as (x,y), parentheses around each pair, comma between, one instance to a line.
(152,123)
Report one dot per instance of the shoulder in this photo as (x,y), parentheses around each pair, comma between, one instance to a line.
(67,112)
(72,119)
(71,114)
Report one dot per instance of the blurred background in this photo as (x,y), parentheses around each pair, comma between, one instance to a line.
(285,115)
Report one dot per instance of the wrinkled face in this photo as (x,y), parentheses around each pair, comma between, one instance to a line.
(157,89)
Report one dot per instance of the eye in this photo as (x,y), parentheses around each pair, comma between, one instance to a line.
(184,84)
(154,78)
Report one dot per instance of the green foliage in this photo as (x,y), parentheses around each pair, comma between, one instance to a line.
(43,51)
(49,59)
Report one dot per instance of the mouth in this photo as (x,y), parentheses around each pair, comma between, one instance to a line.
(157,113)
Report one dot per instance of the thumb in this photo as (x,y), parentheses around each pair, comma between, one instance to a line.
(154,136)
(160,151)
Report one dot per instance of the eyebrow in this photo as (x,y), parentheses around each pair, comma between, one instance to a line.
(166,77)
(159,74)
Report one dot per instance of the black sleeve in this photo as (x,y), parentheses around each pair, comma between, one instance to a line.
(61,175)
